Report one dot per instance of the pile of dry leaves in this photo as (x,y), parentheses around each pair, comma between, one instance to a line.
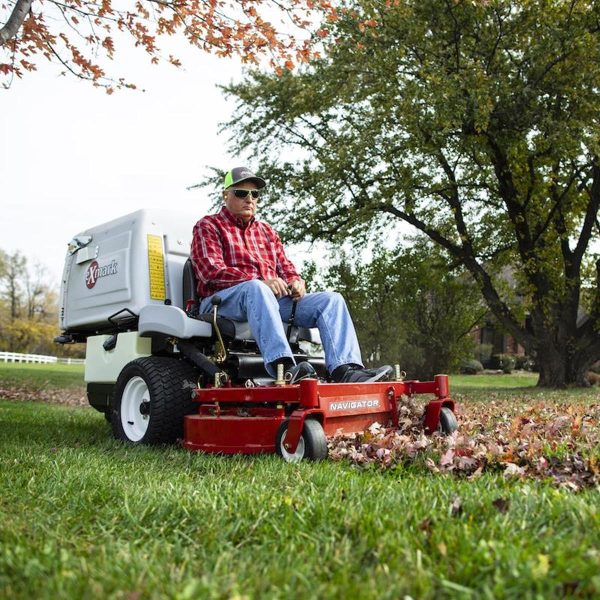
(72,396)
(543,439)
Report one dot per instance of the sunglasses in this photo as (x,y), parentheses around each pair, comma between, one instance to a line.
(244,193)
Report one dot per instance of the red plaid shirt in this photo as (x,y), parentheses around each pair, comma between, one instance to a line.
(225,252)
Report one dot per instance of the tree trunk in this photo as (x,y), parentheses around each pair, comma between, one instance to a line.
(561,372)
(563,359)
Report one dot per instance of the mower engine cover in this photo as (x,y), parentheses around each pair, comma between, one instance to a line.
(123,265)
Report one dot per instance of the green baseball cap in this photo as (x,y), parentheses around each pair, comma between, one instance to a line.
(239,174)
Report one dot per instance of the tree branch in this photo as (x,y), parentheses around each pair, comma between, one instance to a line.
(18,15)
(481,276)
(557,206)
(509,195)
(454,201)
(472,326)
(591,215)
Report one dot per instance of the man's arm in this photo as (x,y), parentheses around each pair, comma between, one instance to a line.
(286,269)
(208,260)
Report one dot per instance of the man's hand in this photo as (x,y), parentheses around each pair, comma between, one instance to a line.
(297,289)
(278,286)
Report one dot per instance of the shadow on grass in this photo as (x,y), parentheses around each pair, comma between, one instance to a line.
(33,429)
(62,433)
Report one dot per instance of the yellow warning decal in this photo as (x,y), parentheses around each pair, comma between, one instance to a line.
(156,267)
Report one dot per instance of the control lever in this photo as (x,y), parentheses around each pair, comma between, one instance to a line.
(220,352)
(292,317)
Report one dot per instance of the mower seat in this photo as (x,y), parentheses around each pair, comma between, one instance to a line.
(230,329)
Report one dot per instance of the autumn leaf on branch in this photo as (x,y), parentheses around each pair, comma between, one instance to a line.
(81,35)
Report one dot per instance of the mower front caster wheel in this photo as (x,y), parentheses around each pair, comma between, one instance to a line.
(448,423)
(312,444)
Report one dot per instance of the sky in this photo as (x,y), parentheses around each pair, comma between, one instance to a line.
(72,157)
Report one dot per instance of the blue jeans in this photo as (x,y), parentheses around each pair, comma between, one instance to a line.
(254,302)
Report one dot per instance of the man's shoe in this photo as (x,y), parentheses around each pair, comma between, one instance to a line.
(303,370)
(357,375)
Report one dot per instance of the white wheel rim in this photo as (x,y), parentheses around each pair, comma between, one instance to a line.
(135,424)
(292,457)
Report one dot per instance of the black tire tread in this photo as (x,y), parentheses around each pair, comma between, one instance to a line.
(448,423)
(315,441)
(170,382)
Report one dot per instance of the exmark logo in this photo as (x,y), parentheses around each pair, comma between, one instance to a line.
(95,271)
(353,405)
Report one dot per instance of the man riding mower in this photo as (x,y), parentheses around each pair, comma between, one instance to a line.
(216,351)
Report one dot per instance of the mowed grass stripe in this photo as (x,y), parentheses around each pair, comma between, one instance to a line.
(84,516)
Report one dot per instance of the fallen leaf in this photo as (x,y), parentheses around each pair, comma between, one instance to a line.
(501,504)
(426,525)
(513,470)
(447,457)
(456,507)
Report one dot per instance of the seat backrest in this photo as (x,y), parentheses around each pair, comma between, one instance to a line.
(190,287)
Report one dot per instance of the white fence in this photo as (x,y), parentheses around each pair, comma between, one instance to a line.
(38,358)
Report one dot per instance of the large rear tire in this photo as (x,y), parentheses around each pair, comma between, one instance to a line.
(312,444)
(152,397)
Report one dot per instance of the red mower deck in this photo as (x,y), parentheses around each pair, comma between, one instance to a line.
(244,420)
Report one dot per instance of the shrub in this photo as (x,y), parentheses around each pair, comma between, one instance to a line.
(471,367)
(592,378)
(483,353)
(523,362)
(506,362)
(595,368)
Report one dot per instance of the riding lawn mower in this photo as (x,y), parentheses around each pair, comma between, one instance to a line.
(162,372)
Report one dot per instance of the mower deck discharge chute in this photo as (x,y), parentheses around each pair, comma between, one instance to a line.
(161,372)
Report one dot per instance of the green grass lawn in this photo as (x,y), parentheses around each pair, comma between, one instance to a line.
(492,382)
(521,387)
(84,516)
(39,375)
